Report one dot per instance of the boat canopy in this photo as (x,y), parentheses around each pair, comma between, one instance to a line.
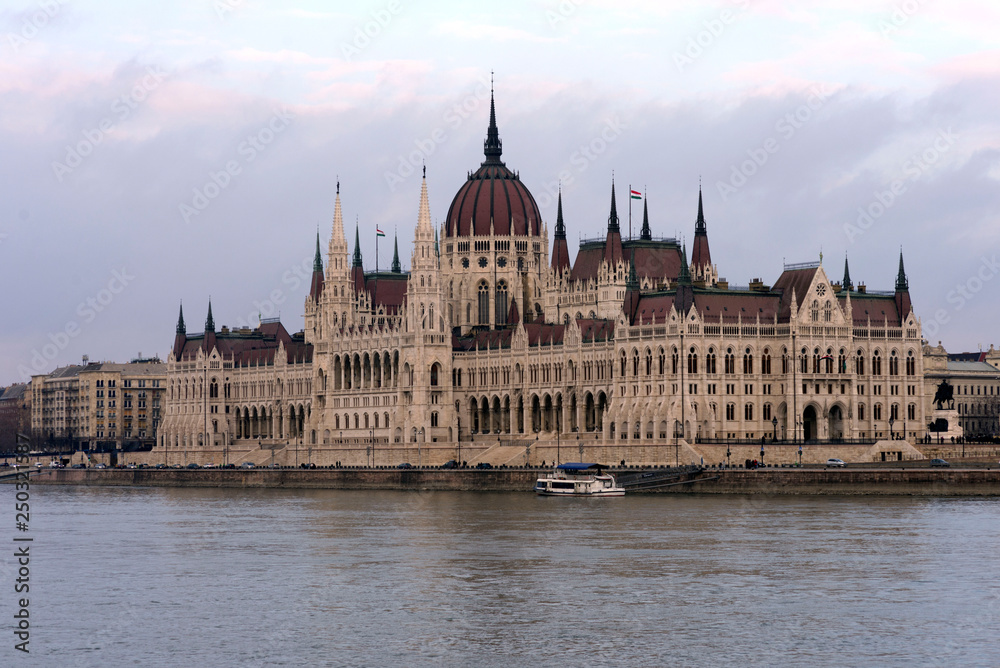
(579,466)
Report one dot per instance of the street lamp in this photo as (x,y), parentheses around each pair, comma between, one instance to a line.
(762,454)
(774,423)
(800,454)
(728,455)
(891,420)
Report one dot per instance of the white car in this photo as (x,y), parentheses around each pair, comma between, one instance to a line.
(838,463)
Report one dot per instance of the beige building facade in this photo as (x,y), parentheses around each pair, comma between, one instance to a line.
(495,346)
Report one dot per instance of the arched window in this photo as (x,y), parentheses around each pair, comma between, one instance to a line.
(710,361)
(814,311)
(649,362)
(893,364)
(911,364)
(765,363)
(663,360)
(748,362)
(827,312)
(623,364)
(501,300)
(692,361)
(876,364)
(484,303)
(635,363)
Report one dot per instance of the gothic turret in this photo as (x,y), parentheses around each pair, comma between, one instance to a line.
(181,337)
(646,234)
(316,288)
(701,257)
(903,306)
(847,285)
(560,250)
(396,268)
(685,292)
(209,330)
(357,266)
(492,147)
(613,245)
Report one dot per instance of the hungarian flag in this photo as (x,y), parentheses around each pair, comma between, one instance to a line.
(636,194)
(379,233)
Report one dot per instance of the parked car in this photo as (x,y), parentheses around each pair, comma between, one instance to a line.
(247,465)
(79,466)
(405,465)
(450,464)
(161,466)
(837,463)
(101,465)
(939,462)
(209,465)
(192,465)
(484,465)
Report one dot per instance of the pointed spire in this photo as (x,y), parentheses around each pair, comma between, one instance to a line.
(613,218)
(560,226)
(209,321)
(396,269)
(181,329)
(338,221)
(633,281)
(424,226)
(847,284)
(318,260)
(437,249)
(902,284)
(684,278)
(357,247)
(492,147)
(699,225)
(646,234)
(701,255)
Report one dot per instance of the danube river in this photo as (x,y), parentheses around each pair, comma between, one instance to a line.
(226,577)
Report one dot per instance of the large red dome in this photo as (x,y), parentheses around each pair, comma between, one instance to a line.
(493,194)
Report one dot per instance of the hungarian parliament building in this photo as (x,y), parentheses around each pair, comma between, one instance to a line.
(496,338)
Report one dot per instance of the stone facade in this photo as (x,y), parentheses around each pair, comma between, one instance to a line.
(494,342)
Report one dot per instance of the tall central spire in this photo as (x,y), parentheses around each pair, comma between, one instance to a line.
(492,147)
(699,225)
(396,268)
(357,247)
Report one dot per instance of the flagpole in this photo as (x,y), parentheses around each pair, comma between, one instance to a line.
(630,212)
(376,249)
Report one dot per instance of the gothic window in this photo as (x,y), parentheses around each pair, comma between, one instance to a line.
(859,363)
(635,363)
(501,301)
(827,312)
(692,361)
(877,412)
(765,363)
(747,362)
(484,303)
(911,364)
(893,364)
(748,411)
(710,361)
(730,363)
(730,412)
(876,364)
(765,413)
(861,411)
(814,311)
(673,361)
(649,362)
(623,364)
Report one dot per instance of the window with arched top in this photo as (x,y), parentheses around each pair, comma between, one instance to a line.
(484,303)
(814,311)
(501,303)
(827,312)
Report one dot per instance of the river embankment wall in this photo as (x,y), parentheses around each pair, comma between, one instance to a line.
(878,481)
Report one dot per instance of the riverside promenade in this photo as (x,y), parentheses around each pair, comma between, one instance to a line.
(858,480)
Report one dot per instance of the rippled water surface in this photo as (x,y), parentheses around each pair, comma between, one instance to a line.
(205,577)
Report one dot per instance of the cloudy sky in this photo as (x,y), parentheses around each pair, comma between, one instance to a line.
(155,153)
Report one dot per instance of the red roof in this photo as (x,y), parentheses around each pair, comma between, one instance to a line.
(798,280)
(252,347)
(388,290)
(878,308)
(493,194)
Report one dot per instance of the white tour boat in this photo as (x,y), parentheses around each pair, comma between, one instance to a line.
(578,479)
